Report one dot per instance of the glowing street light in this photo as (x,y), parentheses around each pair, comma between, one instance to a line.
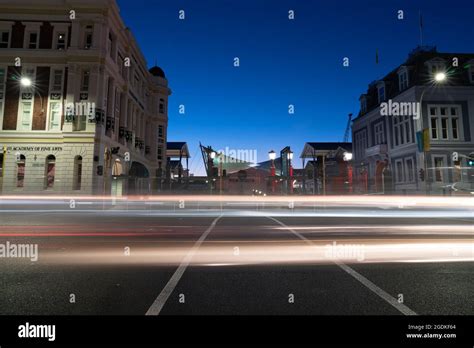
(347,156)
(272,156)
(26,82)
(440,77)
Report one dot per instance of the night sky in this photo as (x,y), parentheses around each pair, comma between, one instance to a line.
(282,62)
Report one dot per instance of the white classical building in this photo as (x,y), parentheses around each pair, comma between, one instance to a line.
(80,112)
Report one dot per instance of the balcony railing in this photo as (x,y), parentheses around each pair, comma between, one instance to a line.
(377,150)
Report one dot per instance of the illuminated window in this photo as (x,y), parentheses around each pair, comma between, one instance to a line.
(20,171)
(61,41)
(50,169)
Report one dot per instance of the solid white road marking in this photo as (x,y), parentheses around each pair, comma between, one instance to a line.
(160,301)
(367,283)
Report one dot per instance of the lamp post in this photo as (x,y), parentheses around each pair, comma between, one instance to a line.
(438,78)
(272,156)
(347,159)
(211,177)
(290,171)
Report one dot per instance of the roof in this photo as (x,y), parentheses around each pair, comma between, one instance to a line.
(157,71)
(312,150)
(331,145)
(178,149)
(178,145)
(418,74)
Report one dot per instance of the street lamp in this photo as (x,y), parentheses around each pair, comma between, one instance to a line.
(26,82)
(439,78)
(272,156)
(290,170)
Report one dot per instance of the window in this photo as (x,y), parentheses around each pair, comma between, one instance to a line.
(160,153)
(381,93)
(379,133)
(162,106)
(444,122)
(399,170)
(57,81)
(20,171)
(77,180)
(2,91)
(454,127)
(160,131)
(85,81)
(360,144)
(436,67)
(54,115)
(33,40)
(402,130)
(88,35)
(61,41)
(4,39)
(50,171)
(410,174)
(118,97)
(25,115)
(403,80)
(439,169)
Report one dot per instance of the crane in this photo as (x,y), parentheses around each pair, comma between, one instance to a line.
(348,128)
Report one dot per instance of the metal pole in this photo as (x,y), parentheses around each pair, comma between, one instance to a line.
(324,174)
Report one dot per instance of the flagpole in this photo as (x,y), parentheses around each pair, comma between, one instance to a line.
(421,30)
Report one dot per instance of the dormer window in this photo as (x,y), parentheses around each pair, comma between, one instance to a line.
(471,71)
(381,92)
(435,66)
(402,79)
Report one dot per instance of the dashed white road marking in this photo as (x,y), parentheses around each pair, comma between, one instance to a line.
(363,280)
(160,301)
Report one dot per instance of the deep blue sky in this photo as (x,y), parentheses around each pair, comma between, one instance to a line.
(282,62)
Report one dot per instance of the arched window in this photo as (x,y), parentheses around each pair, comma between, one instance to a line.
(77,179)
(20,171)
(162,106)
(50,170)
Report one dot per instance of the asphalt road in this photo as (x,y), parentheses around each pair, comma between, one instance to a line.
(235,262)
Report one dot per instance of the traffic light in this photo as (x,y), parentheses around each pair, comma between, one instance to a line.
(470,162)
(422,174)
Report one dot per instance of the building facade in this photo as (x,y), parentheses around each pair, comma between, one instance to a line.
(79,110)
(416,127)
